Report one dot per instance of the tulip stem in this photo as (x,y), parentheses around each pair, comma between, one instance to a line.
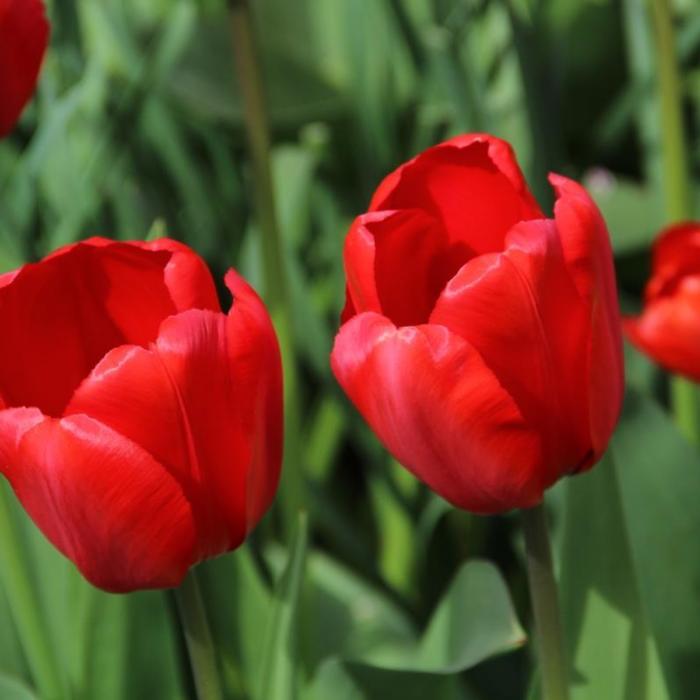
(276,287)
(686,407)
(545,605)
(17,585)
(200,646)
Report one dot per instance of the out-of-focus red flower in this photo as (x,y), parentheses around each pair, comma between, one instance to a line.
(668,329)
(140,426)
(481,340)
(24,35)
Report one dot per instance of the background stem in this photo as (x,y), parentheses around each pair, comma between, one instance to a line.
(197,635)
(676,179)
(276,288)
(545,606)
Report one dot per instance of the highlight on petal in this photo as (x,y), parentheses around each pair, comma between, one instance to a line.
(24,35)
(471,184)
(519,309)
(99,498)
(586,246)
(205,400)
(438,408)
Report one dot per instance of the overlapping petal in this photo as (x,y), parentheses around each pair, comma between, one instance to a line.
(431,399)
(472,184)
(100,498)
(521,312)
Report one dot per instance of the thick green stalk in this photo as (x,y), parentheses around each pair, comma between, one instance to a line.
(197,635)
(250,80)
(17,585)
(676,178)
(554,672)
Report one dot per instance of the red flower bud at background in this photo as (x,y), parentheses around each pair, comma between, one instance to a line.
(24,35)
(668,330)
(481,340)
(140,427)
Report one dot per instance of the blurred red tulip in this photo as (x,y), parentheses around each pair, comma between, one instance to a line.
(668,329)
(481,340)
(24,35)
(141,427)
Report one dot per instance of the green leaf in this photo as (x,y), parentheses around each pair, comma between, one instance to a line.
(659,475)
(14,689)
(281,651)
(474,621)
(600,595)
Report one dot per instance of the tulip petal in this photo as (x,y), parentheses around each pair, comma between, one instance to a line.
(669,329)
(471,184)
(396,263)
(205,401)
(676,253)
(24,35)
(586,245)
(186,276)
(65,313)
(99,498)
(519,309)
(441,412)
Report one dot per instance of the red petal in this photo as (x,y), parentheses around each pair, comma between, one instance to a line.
(65,313)
(397,263)
(206,401)
(186,276)
(519,309)
(441,412)
(101,499)
(669,329)
(676,254)
(472,184)
(24,35)
(586,245)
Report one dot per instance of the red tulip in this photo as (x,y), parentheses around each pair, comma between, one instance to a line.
(669,327)
(480,339)
(24,35)
(141,427)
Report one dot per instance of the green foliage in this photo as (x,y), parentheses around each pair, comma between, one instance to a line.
(137,129)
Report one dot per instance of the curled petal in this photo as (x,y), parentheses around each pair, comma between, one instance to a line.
(99,498)
(471,184)
(441,412)
(396,263)
(186,276)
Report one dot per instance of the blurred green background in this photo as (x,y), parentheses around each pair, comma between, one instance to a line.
(137,129)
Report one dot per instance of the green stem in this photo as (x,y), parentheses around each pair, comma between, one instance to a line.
(17,584)
(676,177)
(545,605)
(250,80)
(675,164)
(686,407)
(197,635)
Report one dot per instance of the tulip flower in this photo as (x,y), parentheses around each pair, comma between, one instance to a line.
(481,339)
(24,35)
(140,427)
(668,329)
